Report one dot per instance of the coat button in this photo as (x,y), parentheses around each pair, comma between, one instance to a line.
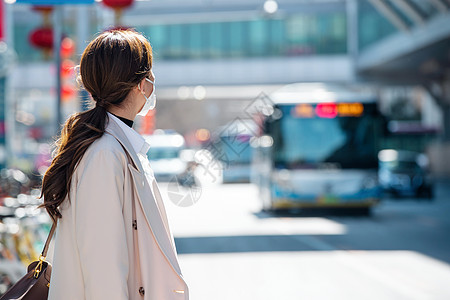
(141,291)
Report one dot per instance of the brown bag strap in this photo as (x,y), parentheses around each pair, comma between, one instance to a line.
(49,238)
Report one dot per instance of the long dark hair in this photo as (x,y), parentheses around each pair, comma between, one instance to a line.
(111,66)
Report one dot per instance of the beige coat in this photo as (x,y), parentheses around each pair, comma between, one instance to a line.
(97,253)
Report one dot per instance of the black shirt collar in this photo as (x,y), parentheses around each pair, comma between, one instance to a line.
(128,122)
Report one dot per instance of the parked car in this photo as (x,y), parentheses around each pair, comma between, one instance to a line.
(404,173)
(165,155)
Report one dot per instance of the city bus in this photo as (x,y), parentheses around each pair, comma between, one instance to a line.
(317,147)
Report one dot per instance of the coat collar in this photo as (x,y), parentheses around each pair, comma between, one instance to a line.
(114,129)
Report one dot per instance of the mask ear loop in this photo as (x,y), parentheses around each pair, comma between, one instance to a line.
(139,85)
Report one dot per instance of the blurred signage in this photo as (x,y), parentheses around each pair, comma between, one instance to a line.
(148,123)
(304,111)
(54,2)
(328,110)
(350,109)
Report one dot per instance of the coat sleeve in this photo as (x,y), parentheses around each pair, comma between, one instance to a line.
(100,228)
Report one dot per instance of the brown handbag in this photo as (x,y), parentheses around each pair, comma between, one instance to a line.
(35,284)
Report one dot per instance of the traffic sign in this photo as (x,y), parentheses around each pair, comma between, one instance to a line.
(54,2)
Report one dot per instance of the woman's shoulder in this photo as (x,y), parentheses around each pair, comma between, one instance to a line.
(108,146)
(103,155)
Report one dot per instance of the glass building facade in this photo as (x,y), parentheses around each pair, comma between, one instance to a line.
(308,34)
(319,32)
(323,33)
(372,26)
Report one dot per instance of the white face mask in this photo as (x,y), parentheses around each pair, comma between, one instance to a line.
(150,102)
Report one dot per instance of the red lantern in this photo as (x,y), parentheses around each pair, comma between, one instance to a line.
(67,92)
(118,3)
(118,6)
(67,68)
(67,47)
(42,38)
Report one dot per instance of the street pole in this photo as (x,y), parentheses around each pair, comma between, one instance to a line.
(82,39)
(57,31)
(353,35)
(10,112)
(352,29)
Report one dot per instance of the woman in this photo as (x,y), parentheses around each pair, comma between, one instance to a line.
(113,240)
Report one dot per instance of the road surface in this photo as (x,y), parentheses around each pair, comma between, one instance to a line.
(228,249)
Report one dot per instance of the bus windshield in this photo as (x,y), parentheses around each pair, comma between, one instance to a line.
(318,140)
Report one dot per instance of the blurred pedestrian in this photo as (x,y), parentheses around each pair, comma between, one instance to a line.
(113,239)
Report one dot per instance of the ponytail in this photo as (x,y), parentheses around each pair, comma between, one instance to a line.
(78,133)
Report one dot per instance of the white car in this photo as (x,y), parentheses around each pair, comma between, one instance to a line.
(165,155)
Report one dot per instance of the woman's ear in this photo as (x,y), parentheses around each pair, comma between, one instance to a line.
(140,85)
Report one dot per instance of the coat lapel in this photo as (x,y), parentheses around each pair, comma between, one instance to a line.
(146,199)
(114,129)
(153,217)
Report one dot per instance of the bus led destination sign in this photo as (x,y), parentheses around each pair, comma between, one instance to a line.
(328,110)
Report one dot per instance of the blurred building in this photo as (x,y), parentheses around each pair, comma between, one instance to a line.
(227,52)
(213,57)
(31,90)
